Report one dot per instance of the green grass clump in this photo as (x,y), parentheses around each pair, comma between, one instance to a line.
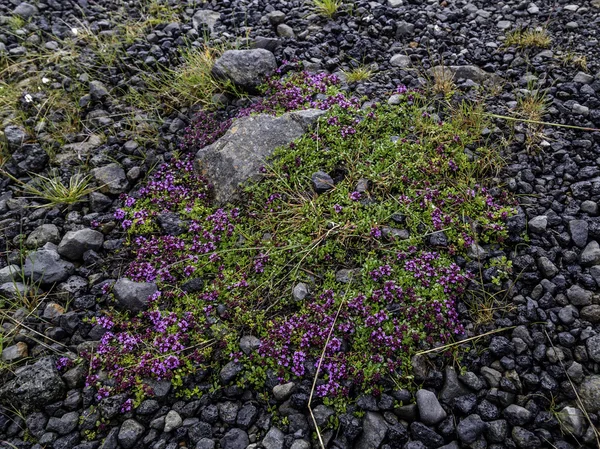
(528,38)
(358,74)
(54,191)
(327,8)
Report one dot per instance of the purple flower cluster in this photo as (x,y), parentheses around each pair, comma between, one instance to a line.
(411,301)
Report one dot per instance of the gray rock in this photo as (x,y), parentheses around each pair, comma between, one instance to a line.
(579,296)
(590,207)
(374,431)
(572,421)
(426,435)
(430,410)
(45,266)
(15,352)
(547,268)
(591,313)
(580,109)
(235,439)
(15,137)
(496,431)
(10,273)
(249,344)
(524,438)
(63,425)
(273,439)
(401,61)
(592,345)
(172,421)
(504,24)
(285,31)
(538,224)
(491,376)
(29,158)
(34,386)
(322,182)
(129,433)
(98,91)
(75,243)
(579,232)
(575,372)
(583,78)
(170,223)
(205,443)
(517,415)
(470,429)
(300,291)
(452,388)
(590,254)
(322,413)
(111,178)
(14,290)
(589,391)
(476,252)
(42,235)
(132,295)
(205,18)
(276,17)
(25,10)
(300,444)
(230,371)
(242,151)
(282,392)
(245,68)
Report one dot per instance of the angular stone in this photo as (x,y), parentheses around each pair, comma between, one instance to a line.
(205,18)
(42,235)
(590,254)
(579,232)
(249,344)
(235,439)
(430,410)
(238,156)
(589,391)
(45,266)
(538,224)
(572,421)
(592,345)
(111,178)
(129,433)
(374,431)
(133,295)
(579,296)
(75,243)
(15,352)
(470,429)
(173,421)
(300,291)
(284,391)
(245,68)
(273,439)
(322,182)
(34,386)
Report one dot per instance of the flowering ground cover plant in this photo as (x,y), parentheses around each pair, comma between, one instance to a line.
(362,272)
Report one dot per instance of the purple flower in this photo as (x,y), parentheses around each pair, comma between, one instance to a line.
(337,208)
(355,196)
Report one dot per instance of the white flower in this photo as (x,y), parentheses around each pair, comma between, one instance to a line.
(45,80)
(74,31)
(28,98)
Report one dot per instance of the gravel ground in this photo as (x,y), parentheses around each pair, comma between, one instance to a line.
(523,388)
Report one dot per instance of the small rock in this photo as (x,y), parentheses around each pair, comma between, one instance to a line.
(282,392)
(590,254)
(235,439)
(75,243)
(579,232)
(430,410)
(401,61)
(245,68)
(276,17)
(25,10)
(583,78)
(589,391)
(322,182)
(300,291)
(249,344)
(470,429)
(172,421)
(579,296)
(374,431)
(591,313)
(524,438)
(42,235)
(572,421)
(97,91)
(592,345)
(133,295)
(15,352)
(273,439)
(111,178)
(230,371)
(46,266)
(517,415)
(538,224)
(285,31)
(129,433)
(205,17)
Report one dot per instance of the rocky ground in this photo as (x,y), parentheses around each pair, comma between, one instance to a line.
(535,384)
